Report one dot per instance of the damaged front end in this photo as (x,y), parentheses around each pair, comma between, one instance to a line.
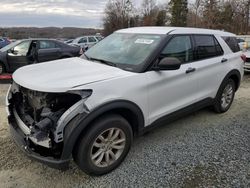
(42,116)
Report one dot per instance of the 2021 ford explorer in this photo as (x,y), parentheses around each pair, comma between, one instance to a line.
(92,107)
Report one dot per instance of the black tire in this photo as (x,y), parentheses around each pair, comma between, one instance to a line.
(218,106)
(83,152)
(2,69)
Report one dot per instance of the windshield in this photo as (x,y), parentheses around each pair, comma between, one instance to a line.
(9,46)
(127,49)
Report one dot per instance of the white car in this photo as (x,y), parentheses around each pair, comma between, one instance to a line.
(86,42)
(92,107)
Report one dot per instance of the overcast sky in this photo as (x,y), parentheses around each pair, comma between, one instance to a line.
(57,13)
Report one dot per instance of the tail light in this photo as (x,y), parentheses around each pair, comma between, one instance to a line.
(243,57)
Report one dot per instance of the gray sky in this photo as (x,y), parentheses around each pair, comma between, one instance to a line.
(57,13)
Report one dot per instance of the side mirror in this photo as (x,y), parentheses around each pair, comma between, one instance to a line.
(169,63)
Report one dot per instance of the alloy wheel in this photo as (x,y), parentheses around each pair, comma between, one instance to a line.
(108,147)
(227,96)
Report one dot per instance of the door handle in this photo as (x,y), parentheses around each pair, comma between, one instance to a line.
(224,60)
(190,69)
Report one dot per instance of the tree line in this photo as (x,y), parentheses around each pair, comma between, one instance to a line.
(228,15)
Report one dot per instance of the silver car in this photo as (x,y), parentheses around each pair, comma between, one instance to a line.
(86,42)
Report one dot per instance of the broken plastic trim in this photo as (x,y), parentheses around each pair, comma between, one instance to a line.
(68,115)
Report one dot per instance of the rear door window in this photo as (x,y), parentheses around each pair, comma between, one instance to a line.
(92,39)
(47,45)
(206,46)
(232,42)
(82,40)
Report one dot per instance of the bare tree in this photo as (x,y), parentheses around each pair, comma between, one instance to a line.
(149,12)
(117,15)
(196,6)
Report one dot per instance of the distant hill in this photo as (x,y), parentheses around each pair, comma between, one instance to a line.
(46,32)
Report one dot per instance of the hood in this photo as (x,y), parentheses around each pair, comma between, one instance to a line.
(65,74)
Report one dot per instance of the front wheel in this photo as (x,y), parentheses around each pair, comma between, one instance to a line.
(225,96)
(104,146)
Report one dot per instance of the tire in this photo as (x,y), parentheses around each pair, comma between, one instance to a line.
(90,149)
(2,69)
(225,96)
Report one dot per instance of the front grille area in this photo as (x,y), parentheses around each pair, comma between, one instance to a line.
(34,106)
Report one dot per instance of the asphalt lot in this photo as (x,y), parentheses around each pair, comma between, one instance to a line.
(203,149)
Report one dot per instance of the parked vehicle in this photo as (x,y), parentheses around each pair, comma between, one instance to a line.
(69,41)
(29,51)
(86,42)
(4,42)
(242,43)
(131,81)
(247,61)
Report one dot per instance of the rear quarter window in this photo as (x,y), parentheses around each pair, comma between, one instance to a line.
(232,43)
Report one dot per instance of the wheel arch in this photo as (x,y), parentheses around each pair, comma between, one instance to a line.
(129,110)
(235,76)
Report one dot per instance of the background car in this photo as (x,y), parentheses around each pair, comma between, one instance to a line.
(86,42)
(4,42)
(241,43)
(247,62)
(29,51)
(68,41)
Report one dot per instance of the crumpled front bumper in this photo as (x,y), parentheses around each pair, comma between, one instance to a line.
(19,132)
(22,142)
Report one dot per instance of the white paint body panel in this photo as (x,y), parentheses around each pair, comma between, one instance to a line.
(62,75)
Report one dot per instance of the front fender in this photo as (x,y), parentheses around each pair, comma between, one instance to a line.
(78,124)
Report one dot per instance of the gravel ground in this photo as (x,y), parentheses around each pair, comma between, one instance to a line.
(201,150)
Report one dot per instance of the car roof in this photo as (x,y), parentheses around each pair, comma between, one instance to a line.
(38,39)
(87,36)
(173,30)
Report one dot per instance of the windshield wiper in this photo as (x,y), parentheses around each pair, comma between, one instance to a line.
(103,61)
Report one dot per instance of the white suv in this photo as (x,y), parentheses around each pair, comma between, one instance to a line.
(92,107)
